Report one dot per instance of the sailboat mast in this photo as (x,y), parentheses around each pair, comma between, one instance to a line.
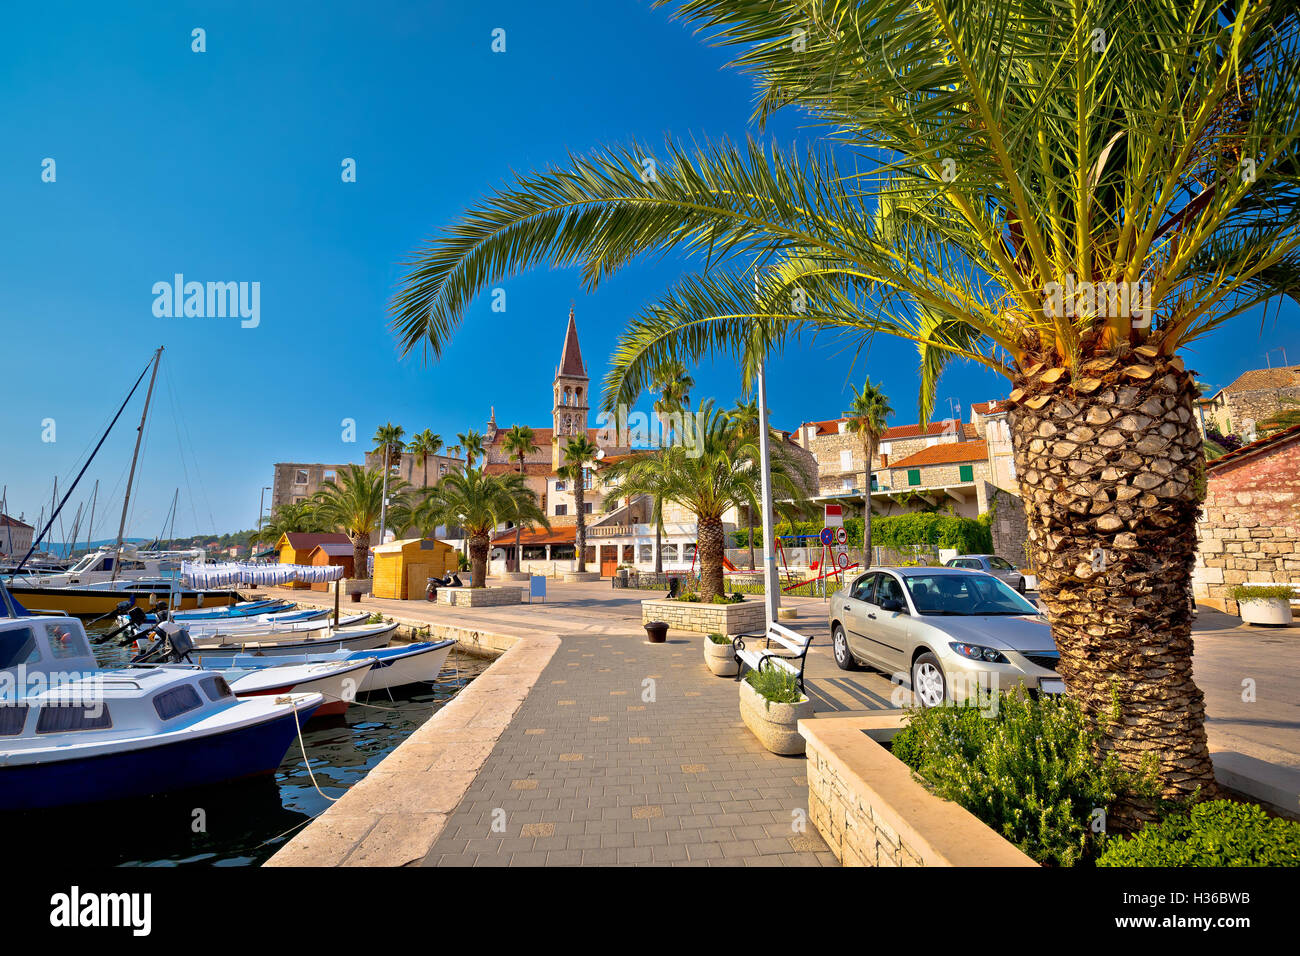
(90,528)
(130,478)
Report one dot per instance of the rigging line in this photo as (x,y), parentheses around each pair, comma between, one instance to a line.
(180,449)
(73,487)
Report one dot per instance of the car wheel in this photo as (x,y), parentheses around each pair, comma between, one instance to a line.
(929,685)
(840,646)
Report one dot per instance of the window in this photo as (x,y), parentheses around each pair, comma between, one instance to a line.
(966,473)
(559,486)
(66,642)
(18,646)
(862,587)
(12,718)
(586,479)
(442,468)
(561,509)
(688,551)
(57,718)
(644,553)
(215,687)
(670,552)
(300,476)
(329,476)
(586,507)
(846,460)
(913,476)
(177,701)
(888,589)
(1002,564)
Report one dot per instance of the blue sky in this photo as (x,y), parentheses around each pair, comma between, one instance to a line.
(225,166)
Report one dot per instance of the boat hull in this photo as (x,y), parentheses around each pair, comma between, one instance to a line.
(338,686)
(248,751)
(93,602)
(399,670)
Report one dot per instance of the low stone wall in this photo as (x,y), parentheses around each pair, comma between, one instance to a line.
(871,812)
(480,597)
(745,618)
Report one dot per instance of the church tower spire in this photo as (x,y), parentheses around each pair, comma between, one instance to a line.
(569,408)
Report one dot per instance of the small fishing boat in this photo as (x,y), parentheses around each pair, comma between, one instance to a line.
(337,681)
(72,734)
(244,609)
(273,624)
(356,638)
(400,666)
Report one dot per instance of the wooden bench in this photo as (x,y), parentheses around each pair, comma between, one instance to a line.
(793,647)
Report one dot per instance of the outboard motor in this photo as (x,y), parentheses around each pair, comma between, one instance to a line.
(172,645)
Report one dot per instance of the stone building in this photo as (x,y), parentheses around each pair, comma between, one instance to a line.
(1255,395)
(1249,532)
(295,482)
(15,537)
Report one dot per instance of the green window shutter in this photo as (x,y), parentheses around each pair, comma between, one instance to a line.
(913,476)
(966,472)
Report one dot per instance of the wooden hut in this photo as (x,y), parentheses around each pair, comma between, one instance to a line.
(331,553)
(403,567)
(295,546)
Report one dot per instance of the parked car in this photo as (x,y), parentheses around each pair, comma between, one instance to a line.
(950,630)
(1000,568)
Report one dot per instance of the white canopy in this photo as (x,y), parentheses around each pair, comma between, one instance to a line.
(233,573)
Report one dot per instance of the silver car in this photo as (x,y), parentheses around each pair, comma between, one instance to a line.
(951,631)
(1000,568)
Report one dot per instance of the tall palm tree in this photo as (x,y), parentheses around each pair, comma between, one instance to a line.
(717,475)
(352,504)
(473,442)
(674,386)
(478,502)
(867,413)
(1064,195)
(388,439)
(519,444)
(579,454)
(424,444)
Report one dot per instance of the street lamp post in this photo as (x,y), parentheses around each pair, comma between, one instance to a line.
(771,584)
(383,502)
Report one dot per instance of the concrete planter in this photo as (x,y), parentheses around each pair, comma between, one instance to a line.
(516,575)
(1272,611)
(748,617)
(480,597)
(775,725)
(720,658)
(577,577)
(356,586)
(871,811)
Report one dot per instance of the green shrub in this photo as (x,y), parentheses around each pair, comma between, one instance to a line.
(1215,833)
(776,685)
(1027,770)
(690,597)
(1260,592)
(966,535)
(717,638)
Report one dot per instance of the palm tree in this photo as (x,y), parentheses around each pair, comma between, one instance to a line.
(352,504)
(579,453)
(674,386)
(478,502)
(720,473)
(1046,191)
(867,413)
(424,444)
(519,444)
(287,519)
(388,439)
(473,442)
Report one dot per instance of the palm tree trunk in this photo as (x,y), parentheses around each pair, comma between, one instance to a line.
(360,554)
(478,553)
(1112,484)
(868,452)
(659,545)
(580,534)
(711,542)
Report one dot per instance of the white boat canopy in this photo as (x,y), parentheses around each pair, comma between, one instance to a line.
(233,573)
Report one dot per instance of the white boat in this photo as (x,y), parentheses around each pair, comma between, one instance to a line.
(96,569)
(71,733)
(356,638)
(405,664)
(270,625)
(337,681)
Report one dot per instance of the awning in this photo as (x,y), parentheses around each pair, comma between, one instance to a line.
(239,572)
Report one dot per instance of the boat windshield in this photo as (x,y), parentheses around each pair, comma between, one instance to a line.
(18,646)
(85,564)
(965,595)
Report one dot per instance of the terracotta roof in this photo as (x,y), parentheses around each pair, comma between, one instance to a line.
(949,453)
(1276,438)
(563,534)
(990,408)
(8,522)
(571,357)
(301,541)
(1258,379)
(828,427)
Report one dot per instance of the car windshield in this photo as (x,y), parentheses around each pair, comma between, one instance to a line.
(1001,564)
(965,594)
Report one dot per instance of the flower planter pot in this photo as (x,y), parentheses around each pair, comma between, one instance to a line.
(1271,611)
(775,725)
(656,632)
(356,587)
(720,658)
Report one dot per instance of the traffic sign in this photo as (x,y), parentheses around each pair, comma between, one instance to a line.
(827,536)
(841,535)
(834,516)
(842,559)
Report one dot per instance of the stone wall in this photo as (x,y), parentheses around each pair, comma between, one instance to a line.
(480,597)
(1250,527)
(1009,527)
(1255,405)
(747,617)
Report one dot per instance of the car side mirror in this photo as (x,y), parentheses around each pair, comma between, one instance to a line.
(893,605)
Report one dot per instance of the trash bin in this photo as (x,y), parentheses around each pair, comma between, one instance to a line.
(656,632)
